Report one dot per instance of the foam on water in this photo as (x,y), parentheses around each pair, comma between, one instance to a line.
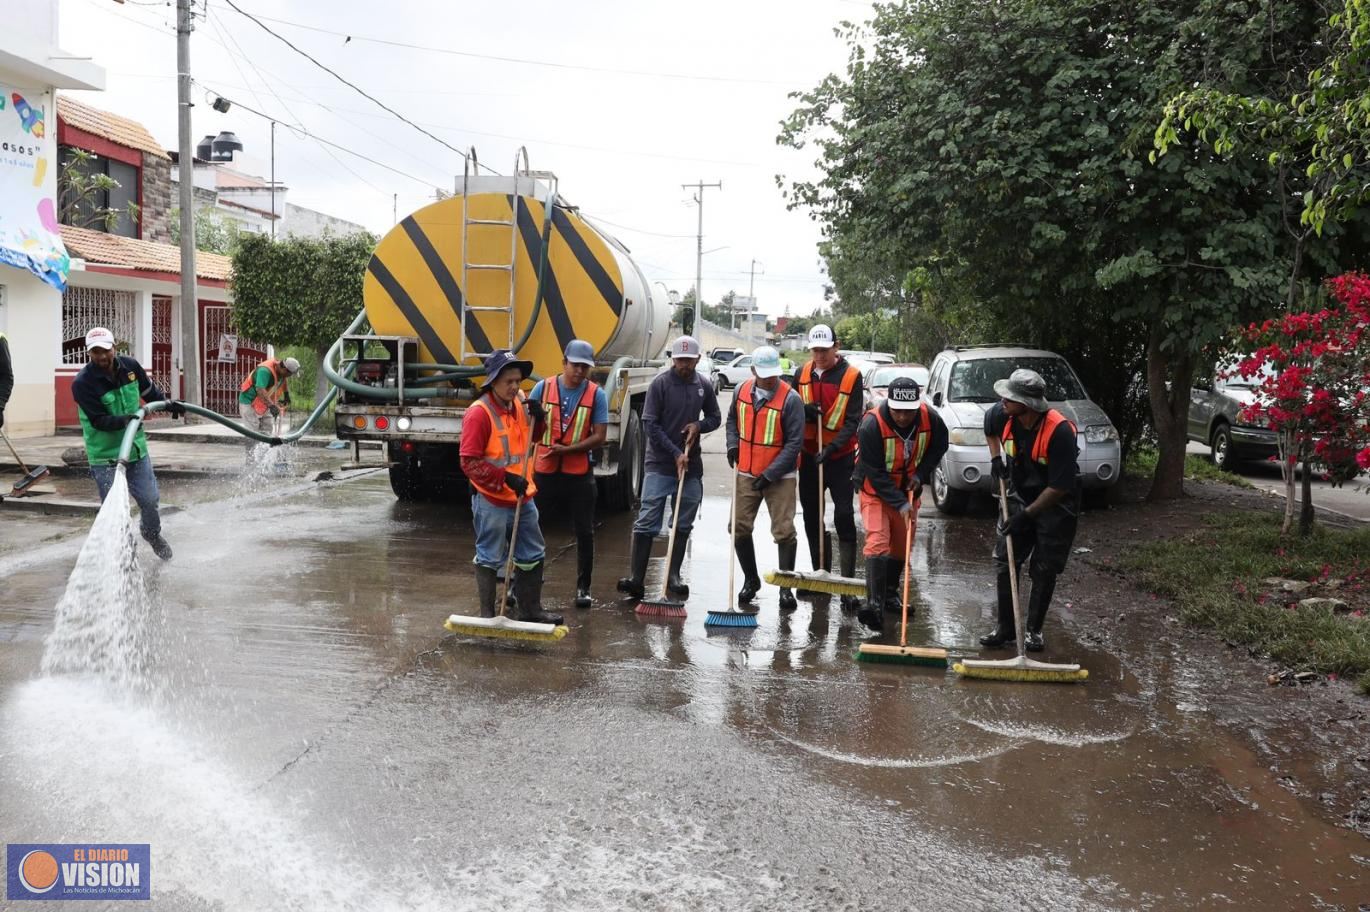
(898,762)
(1046,733)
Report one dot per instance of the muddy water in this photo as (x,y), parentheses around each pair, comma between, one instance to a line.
(318,742)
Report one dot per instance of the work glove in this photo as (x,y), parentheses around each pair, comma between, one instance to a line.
(1016,524)
(175,409)
(998,469)
(535,410)
(274,410)
(732,457)
(812,412)
(517,483)
(914,485)
(761,483)
(824,454)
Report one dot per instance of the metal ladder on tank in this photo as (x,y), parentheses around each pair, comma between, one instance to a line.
(521,170)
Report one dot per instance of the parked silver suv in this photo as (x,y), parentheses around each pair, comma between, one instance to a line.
(961,388)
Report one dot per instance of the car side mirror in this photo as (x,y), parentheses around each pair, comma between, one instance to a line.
(937,399)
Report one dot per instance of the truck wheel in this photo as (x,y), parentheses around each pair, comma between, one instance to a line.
(406,480)
(946,498)
(621,491)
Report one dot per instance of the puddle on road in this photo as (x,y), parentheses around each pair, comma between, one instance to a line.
(312,688)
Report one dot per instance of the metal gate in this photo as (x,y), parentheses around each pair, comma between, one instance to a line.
(86,308)
(160,369)
(220,379)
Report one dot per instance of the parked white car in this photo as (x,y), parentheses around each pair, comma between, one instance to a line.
(734,372)
(961,388)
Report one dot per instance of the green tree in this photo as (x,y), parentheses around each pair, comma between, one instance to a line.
(299,291)
(81,192)
(213,232)
(1002,148)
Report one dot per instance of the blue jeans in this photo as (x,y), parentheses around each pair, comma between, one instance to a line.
(142,487)
(656,490)
(492,534)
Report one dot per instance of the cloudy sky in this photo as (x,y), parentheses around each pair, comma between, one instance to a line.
(625,99)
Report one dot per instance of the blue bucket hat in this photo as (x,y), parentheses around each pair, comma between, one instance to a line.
(500,359)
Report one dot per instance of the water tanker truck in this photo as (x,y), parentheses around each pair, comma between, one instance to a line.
(503,263)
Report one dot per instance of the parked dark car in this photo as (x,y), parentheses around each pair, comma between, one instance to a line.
(1215,406)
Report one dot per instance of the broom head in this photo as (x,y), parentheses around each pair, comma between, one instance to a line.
(931,656)
(660,607)
(36,474)
(730,619)
(1020,669)
(503,627)
(817,581)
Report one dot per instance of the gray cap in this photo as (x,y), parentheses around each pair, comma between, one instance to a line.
(1025,386)
(578,351)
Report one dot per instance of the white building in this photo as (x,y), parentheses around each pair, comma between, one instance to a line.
(33,261)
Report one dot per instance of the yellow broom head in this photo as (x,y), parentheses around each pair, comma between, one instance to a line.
(500,627)
(1021,673)
(817,581)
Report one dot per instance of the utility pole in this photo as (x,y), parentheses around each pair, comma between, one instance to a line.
(274,219)
(190,311)
(751,298)
(699,244)
(395,209)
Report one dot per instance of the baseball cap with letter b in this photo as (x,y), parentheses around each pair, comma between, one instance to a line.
(685,347)
(820,336)
(99,337)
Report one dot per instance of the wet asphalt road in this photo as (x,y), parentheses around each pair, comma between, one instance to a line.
(312,739)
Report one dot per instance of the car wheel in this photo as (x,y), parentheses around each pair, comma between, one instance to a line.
(946,498)
(1223,456)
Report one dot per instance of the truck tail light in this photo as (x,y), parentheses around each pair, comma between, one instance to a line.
(359,422)
(382,423)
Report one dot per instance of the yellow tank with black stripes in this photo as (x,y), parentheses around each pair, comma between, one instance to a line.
(591,288)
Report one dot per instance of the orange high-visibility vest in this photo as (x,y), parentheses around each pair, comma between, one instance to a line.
(1045,429)
(576,431)
(901,461)
(760,434)
(278,380)
(506,448)
(834,407)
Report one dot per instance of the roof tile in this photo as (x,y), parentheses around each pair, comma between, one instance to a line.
(118,130)
(113,250)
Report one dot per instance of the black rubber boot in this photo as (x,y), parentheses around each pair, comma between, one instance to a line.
(159,546)
(847,562)
(585,567)
(528,592)
(486,582)
(894,586)
(674,584)
(751,580)
(787,552)
(631,586)
(873,614)
(1043,587)
(1003,634)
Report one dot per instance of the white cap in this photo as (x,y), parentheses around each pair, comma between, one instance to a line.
(99,337)
(685,347)
(820,336)
(766,362)
(292,366)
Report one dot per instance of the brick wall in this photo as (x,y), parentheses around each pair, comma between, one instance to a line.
(157,200)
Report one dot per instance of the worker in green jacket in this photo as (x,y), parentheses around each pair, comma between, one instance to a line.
(108,391)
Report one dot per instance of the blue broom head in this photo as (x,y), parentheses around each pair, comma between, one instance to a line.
(729,619)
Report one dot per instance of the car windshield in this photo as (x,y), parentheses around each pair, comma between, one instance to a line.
(1231,379)
(973,381)
(883,375)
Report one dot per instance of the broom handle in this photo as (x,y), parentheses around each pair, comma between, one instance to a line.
(822,523)
(13,453)
(514,529)
(732,530)
(908,559)
(1012,569)
(675,521)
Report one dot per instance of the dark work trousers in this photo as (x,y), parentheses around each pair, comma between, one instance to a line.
(560,494)
(1046,542)
(837,479)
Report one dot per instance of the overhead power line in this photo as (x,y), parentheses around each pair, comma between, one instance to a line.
(352,85)
(525,61)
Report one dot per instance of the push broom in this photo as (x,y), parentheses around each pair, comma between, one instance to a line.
(499,625)
(819,580)
(904,654)
(1021,668)
(664,606)
(37,473)
(732,617)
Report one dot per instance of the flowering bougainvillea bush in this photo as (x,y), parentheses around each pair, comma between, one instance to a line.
(1315,392)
